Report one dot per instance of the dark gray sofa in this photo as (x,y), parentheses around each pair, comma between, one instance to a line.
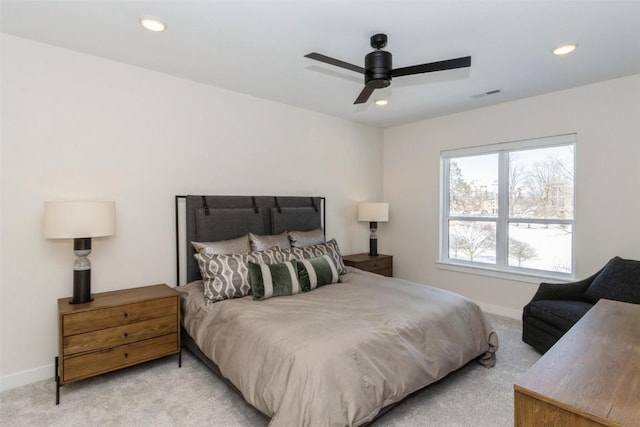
(556,307)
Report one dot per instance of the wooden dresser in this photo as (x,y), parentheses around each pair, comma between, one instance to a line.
(591,377)
(379,264)
(115,330)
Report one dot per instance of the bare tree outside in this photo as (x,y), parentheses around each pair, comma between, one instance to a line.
(516,177)
(542,188)
(521,251)
(472,238)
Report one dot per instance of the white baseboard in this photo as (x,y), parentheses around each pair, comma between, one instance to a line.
(500,311)
(7,382)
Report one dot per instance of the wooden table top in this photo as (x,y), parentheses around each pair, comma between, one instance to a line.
(594,370)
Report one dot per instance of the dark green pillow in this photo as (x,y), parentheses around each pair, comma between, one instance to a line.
(314,272)
(273,280)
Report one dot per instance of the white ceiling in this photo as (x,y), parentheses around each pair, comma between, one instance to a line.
(258,47)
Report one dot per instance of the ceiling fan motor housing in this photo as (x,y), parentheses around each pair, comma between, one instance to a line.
(378,66)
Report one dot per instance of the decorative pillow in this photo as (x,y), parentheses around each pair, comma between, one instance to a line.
(619,280)
(327,248)
(301,239)
(223,247)
(262,242)
(270,256)
(273,280)
(224,276)
(314,272)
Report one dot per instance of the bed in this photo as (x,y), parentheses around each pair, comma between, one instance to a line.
(339,354)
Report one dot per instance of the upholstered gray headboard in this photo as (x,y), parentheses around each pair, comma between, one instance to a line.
(214,218)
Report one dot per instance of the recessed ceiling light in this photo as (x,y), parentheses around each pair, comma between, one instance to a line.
(381,102)
(565,49)
(152,23)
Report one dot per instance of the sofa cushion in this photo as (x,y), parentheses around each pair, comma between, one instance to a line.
(559,313)
(619,280)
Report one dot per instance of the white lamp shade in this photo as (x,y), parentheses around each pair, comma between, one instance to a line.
(373,212)
(69,220)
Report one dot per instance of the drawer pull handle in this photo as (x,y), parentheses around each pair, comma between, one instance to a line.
(126,355)
(126,335)
(126,315)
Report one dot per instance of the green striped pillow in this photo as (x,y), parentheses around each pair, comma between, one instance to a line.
(314,272)
(273,280)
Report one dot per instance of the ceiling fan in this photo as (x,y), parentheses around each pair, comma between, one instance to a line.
(378,69)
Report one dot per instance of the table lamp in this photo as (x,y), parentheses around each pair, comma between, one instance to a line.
(373,213)
(80,221)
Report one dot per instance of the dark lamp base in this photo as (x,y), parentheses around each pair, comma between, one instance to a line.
(373,238)
(373,247)
(81,287)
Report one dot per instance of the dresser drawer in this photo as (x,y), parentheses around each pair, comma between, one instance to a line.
(119,335)
(87,321)
(90,364)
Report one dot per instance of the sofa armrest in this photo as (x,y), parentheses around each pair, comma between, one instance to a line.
(564,291)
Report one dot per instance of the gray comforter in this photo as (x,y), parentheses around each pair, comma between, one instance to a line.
(338,354)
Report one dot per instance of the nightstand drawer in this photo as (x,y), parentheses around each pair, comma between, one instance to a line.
(119,335)
(379,264)
(90,364)
(87,321)
(375,265)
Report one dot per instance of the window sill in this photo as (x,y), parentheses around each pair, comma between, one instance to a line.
(501,274)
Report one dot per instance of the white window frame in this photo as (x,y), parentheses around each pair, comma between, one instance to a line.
(502,267)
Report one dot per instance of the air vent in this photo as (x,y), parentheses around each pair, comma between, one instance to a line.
(491,92)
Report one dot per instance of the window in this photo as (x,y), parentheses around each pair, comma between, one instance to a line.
(510,206)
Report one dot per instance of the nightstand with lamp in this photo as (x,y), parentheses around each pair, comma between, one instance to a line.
(373,261)
(109,330)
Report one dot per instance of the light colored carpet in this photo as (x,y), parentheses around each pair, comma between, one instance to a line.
(159,394)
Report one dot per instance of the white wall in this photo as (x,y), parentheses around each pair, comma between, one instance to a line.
(606,118)
(79,127)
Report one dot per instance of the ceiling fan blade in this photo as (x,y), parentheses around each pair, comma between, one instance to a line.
(448,64)
(364,95)
(333,61)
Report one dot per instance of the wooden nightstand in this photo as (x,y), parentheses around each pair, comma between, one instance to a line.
(380,264)
(115,330)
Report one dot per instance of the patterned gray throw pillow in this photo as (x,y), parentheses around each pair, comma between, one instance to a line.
(327,248)
(226,276)
(270,256)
